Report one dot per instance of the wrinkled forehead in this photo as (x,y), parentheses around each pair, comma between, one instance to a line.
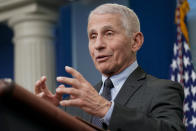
(105,20)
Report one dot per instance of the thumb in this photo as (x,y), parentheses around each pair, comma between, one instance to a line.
(59,95)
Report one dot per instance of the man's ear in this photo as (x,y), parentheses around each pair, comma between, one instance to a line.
(138,40)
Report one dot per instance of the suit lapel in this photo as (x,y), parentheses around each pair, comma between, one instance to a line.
(131,85)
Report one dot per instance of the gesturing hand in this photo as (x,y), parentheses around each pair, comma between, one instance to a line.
(41,90)
(82,94)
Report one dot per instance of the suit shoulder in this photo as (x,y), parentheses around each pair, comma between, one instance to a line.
(158,85)
(154,81)
(164,87)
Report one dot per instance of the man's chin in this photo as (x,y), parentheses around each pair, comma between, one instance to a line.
(105,71)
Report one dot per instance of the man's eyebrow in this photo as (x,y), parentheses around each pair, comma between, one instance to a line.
(107,27)
(91,31)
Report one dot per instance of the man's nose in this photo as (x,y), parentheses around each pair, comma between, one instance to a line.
(100,43)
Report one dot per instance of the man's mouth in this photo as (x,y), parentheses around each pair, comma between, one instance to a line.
(102,58)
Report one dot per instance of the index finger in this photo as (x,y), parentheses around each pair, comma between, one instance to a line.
(74,73)
(69,81)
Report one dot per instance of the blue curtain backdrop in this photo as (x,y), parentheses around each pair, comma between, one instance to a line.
(63,41)
(157,24)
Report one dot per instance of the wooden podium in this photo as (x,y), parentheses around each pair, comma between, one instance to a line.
(21,110)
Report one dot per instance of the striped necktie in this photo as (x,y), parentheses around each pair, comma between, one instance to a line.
(108,85)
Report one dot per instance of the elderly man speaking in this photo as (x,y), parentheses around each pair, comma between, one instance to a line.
(126,98)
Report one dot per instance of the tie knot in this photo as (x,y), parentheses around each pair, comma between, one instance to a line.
(108,83)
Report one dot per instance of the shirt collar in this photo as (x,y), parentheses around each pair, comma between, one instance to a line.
(121,76)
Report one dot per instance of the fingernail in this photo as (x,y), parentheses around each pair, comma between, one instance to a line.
(58,89)
(61,86)
(43,77)
(67,67)
(61,103)
(59,78)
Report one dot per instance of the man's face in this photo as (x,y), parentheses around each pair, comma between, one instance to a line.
(109,45)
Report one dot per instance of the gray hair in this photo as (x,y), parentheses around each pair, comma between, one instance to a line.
(129,19)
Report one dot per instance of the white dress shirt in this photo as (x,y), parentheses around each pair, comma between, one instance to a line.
(118,81)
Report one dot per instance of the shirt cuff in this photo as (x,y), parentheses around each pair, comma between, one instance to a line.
(107,117)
